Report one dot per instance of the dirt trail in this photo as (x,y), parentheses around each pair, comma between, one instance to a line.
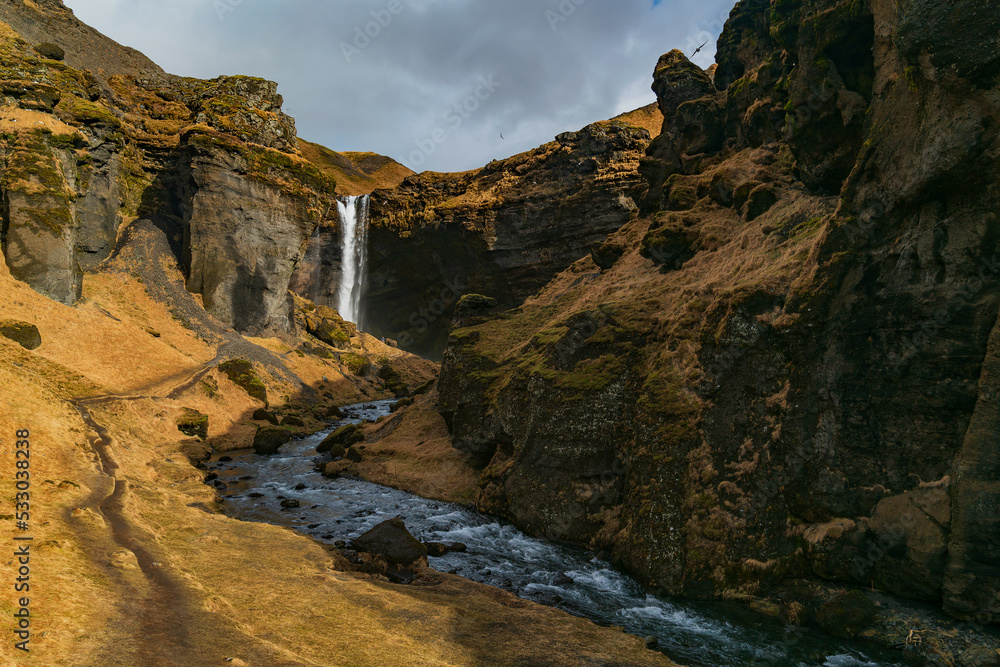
(160,619)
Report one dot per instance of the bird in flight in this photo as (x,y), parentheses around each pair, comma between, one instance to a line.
(698,49)
(501,135)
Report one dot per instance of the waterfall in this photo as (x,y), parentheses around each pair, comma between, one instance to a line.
(354,256)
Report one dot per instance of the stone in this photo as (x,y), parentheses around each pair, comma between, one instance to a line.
(261,414)
(333,412)
(909,536)
(354,454)
(563,579)
(50,51)
(292,420)
(978,656)
(193,423)
(402,403)
(760,201)
(847,614)
(243,374)
(474,302)
(398,574)
(669,246)
(677,80)
(330,331)
(343,436)
(391,540)
(437,549)
(606,254)
(24,334)
(196,451)
(289,503)
(268,440)
(424,388)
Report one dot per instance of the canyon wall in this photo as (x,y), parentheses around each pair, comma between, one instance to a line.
(501,231)
(784,366)
(213,164)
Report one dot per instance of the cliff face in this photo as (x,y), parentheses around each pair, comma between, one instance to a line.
(502,231)
(214,164)
(784,366)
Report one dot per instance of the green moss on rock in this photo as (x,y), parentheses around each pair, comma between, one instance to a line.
(193,423)
(242,373)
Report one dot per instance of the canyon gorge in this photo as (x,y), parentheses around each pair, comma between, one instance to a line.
(739,345)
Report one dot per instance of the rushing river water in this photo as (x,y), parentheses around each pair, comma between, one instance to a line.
(501,555)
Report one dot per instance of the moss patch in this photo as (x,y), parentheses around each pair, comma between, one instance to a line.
(243,374)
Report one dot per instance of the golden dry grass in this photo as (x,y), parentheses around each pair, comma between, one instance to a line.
(356,173)
(411,450)
(647,117)
(158,576)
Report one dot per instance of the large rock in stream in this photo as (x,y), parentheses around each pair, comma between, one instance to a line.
(391,540)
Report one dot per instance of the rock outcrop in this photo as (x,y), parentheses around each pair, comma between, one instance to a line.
(785,365)
(104,137)
(502,231)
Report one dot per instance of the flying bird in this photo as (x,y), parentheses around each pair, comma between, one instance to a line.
(501,136)
(698,49)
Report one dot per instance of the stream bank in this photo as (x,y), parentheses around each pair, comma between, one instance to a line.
(700,634)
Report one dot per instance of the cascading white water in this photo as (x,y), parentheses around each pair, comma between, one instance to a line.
(354,256)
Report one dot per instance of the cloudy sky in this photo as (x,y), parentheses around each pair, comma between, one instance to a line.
(432,83)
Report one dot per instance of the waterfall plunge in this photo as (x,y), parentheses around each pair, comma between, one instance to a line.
(354,256)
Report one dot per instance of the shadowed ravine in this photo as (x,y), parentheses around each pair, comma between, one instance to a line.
(500,555)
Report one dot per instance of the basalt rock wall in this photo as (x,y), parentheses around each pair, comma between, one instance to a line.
(214,164)
(784,366)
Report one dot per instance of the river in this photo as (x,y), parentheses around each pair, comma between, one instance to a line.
(575,580)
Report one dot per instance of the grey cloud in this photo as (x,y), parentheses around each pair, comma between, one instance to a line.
(396,91)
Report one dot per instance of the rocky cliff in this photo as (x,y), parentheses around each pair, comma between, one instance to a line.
(502,231)
(178,209)
(95,137)
(784,365)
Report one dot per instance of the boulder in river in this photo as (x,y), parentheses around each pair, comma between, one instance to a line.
(563,579)
(437,549)
(353,454)
(268,440)
(391,540)
(345,436)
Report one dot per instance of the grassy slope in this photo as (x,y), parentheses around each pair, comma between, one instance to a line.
(166,579)
(356,173)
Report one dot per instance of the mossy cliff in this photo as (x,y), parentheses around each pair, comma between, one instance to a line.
(783,367)
(503,230)
(103,137)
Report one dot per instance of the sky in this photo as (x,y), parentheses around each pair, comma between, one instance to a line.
(431,83)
